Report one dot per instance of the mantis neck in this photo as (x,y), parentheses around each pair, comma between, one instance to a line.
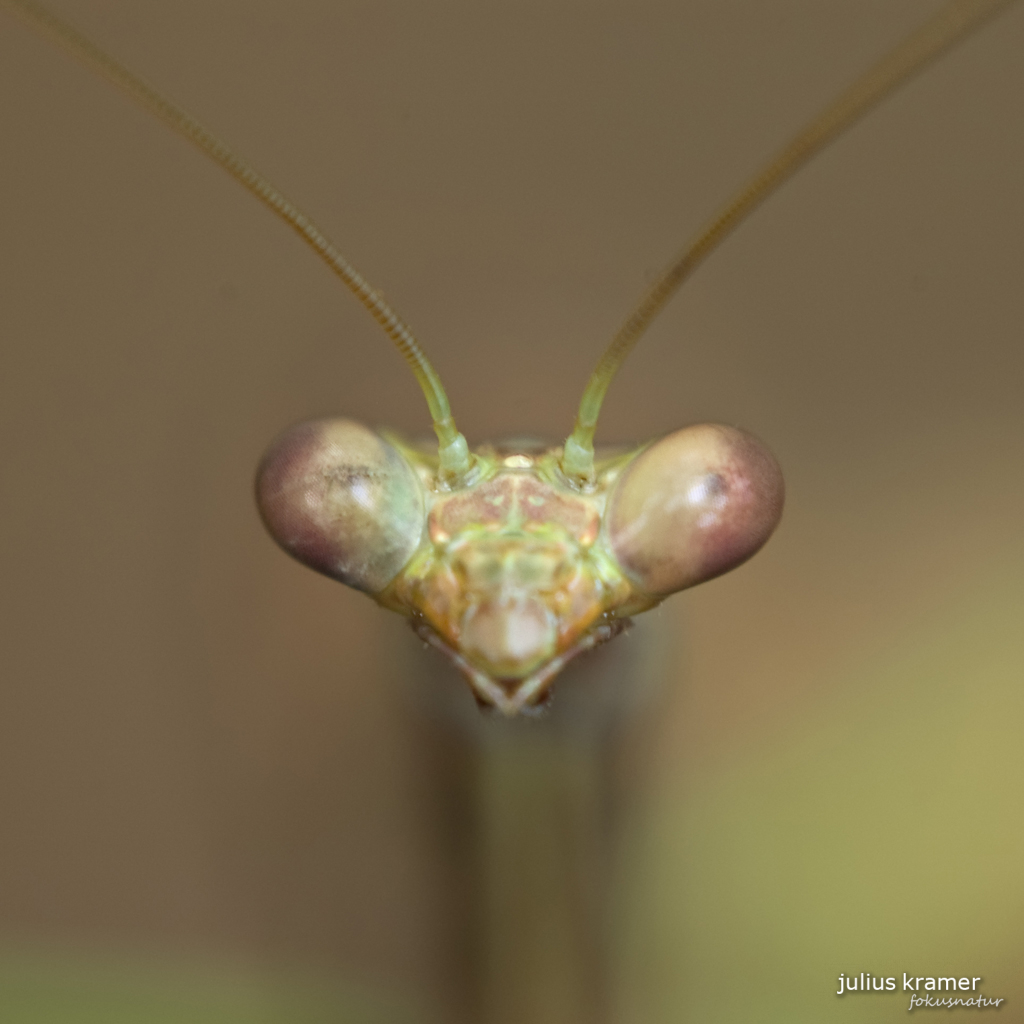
(542,801)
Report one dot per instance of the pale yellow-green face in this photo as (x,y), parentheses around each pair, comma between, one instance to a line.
(512,576)
(518,570)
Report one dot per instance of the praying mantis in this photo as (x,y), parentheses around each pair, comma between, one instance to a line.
(513,560)
(380,238)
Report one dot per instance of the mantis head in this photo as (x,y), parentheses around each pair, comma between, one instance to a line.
(516,570)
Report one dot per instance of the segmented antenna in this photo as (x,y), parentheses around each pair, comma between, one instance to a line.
(454,452)
(951,24)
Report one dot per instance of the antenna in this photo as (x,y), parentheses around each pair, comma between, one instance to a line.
(951,24)
(455,460)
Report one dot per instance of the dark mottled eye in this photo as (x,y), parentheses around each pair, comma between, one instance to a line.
(342,500)
(693,505)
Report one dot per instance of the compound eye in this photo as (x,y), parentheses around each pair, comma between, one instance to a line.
(342,500)
(692,506)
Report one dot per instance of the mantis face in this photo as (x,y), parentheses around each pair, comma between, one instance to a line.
(516,571)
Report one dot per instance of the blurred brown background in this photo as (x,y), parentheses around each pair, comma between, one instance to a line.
(205,755)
